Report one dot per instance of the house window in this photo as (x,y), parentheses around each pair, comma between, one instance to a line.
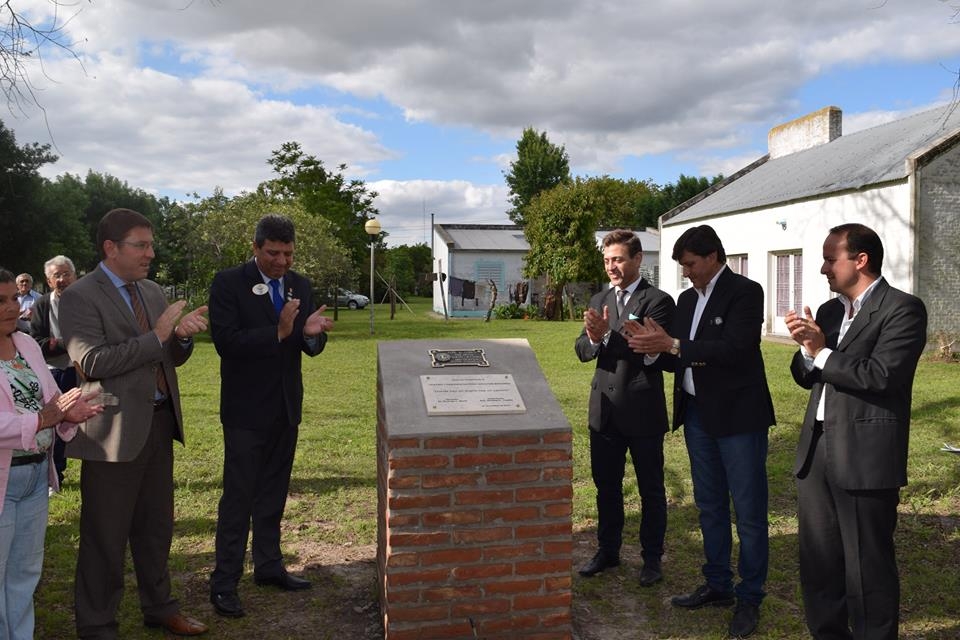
(683,283)
(738,264)
(789,284)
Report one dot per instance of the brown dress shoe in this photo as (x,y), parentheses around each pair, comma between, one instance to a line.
(179,625)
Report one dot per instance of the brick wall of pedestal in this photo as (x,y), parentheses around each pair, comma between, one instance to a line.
(475,535)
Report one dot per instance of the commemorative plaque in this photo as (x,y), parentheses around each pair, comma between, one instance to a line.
(471,394)
(458,358)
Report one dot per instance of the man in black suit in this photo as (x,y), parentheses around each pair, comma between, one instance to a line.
(722,400)
(45,329)
(627,407)
(262,319)
(859,358)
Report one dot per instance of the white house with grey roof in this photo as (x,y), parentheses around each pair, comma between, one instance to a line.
(901,178)
(476,253)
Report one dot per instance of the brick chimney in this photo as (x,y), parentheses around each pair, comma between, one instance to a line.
(805,132)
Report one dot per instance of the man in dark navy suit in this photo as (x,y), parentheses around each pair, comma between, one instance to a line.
(627,407)
(858,358)
(722,400)
(262,319)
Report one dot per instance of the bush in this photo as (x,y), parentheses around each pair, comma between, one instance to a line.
(516,311)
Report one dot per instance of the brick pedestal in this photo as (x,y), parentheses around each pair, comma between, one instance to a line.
(474,534)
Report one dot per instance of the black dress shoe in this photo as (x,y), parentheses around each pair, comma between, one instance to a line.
(703,596)
(650,574)
(601,560)
(745,619)
(227,603)
(283,581)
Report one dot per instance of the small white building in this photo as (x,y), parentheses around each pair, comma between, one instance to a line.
(902,179)
(472,254)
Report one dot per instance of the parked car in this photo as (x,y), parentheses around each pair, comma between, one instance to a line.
(347,298)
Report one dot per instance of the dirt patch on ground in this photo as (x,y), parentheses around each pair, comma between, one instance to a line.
(344,603)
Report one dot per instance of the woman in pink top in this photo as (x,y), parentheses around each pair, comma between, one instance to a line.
(31,406)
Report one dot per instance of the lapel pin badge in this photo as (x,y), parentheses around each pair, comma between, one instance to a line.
(717,321)
(260,289)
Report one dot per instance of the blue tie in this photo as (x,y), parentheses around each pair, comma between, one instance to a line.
(277,298)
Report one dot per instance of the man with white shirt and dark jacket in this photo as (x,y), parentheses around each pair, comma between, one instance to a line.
(722,400)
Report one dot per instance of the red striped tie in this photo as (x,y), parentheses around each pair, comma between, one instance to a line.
(141,316)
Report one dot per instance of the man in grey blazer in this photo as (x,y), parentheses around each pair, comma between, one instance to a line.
(628,411)
(127,342)
(858,357)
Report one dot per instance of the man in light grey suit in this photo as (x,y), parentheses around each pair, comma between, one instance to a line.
(127,342)
(858,357)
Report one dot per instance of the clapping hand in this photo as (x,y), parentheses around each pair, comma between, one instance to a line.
(71,406)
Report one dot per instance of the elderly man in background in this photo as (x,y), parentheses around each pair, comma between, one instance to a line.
(27,297)
(45,329)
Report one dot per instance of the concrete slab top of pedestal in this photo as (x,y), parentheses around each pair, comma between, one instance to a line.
(401,363)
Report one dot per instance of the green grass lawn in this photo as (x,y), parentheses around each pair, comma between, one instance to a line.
(333,492)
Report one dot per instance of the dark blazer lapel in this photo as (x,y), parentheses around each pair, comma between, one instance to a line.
(865,315)
(253,278)
(718,295)
(639,294)
(686,307)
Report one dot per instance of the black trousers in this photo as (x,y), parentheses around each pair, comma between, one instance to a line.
(848,566)
(121,502)
(608,455)
(256,477)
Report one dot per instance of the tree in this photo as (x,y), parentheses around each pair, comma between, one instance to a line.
(222,237)
(621,201)
(407,266)
(25,232)
(540,165)
(670,195)
(64,201)
(346,204)
(560,228)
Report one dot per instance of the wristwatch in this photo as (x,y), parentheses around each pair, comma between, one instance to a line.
(675,347)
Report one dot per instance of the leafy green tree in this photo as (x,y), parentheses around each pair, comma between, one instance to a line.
(619,201)
(560,229)
(222,237)
(105,192)
(408,266)
(668,196)
(64,201)
(346,204)
(25,227)
(540,165)
(172,234)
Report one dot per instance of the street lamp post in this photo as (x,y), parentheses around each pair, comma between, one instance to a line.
(372,227)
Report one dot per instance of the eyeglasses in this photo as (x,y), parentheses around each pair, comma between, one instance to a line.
(139,246)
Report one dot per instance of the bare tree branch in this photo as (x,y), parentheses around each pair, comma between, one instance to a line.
(22,45)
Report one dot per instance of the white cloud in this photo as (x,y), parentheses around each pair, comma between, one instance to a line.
(230,81)
(406,206)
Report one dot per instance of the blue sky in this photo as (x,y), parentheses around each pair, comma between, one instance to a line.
(425,99)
